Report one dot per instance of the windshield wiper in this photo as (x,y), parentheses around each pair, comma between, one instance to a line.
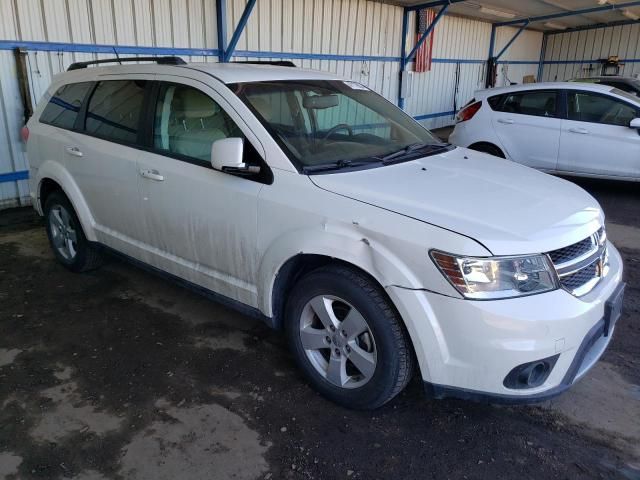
(340,164)
(412,148)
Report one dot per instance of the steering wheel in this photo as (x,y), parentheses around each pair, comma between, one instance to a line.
(340,126)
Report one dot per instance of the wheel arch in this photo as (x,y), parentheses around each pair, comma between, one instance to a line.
(479,145)
(51,177)
(302,263)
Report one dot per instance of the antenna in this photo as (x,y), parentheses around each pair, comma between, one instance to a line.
(117,56)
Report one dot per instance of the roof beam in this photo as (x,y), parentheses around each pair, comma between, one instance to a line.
(435,3)
(239,29)
(513,39)
(542,18)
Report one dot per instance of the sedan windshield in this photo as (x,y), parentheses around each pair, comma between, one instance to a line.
(334,124)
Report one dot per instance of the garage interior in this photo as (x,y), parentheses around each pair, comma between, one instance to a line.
(119,374)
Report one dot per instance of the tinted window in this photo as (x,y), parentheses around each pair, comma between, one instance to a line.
(65,104)
(537,103)
(114,109)
(494,102)
(187,122)
(594,108)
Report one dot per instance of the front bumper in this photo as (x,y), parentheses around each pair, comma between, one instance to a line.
(466,348)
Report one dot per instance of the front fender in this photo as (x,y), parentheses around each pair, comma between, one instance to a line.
(343,243)
(50,169)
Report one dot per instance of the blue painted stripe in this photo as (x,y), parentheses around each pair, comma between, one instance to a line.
(99,48)
(519,62)
(563,62)
(457,60)
(314,56)
(204,52)
(14,176)
(427,116)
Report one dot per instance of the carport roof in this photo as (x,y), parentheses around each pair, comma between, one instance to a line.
(501,11)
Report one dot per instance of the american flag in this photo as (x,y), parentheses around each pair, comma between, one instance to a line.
(423,55)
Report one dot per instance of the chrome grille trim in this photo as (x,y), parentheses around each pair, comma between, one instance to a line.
(580,266)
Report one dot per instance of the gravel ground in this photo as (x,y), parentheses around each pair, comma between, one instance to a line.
(120,374)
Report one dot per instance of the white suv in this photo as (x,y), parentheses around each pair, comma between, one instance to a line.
(566,128)
(315,204)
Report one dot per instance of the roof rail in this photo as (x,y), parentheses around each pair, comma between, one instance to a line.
(158,60)
(278,63)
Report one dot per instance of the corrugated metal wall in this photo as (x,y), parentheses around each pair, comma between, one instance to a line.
(576,54)
(358,39)
(460,51)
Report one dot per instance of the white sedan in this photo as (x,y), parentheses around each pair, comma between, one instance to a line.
(567,128)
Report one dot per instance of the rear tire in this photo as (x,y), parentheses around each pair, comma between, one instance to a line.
(488,148)
(347,338)
(67,240)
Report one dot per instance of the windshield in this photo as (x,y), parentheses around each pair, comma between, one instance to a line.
(322,123)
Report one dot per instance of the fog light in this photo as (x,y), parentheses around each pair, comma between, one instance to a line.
(531,374)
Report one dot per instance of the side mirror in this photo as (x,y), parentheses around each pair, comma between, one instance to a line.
(226,156)
(635,123)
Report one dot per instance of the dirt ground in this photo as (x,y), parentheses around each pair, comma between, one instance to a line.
(120,374)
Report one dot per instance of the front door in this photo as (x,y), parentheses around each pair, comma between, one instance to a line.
(200,224)
(596,138)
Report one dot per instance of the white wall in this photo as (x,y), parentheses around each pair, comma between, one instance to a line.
(577,53)
(313,33)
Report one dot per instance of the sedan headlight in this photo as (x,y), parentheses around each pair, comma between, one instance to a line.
(497,277)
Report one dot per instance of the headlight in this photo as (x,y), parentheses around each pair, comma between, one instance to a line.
(497,277)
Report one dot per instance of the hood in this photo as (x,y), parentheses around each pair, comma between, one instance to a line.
(509,208)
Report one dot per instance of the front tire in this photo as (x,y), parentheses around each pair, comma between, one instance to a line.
(67,240)
(347,338)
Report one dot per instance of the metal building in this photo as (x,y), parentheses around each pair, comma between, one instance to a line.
(368,41)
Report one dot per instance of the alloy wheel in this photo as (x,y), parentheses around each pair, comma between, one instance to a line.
(338,341)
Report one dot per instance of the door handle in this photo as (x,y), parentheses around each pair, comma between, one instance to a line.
(506,121)
(152,175)
(75,151)
(581,131)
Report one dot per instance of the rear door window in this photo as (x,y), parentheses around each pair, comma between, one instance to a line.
(114,110)
(539,103)
(63,107)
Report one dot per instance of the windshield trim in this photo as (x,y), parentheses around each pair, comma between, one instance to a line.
(360,163)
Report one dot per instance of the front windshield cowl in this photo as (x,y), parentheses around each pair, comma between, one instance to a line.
(334,125)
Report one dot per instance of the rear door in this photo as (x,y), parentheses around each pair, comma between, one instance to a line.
(101,156)
(596,138)
(528,125)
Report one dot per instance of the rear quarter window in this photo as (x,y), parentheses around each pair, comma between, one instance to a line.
(114,110)
(495,101)
(64,105)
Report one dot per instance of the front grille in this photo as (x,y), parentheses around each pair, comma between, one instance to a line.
(581,265)
(580,278)
(576,250)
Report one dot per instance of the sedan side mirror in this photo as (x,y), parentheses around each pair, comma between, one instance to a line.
(635,123)
(226,156)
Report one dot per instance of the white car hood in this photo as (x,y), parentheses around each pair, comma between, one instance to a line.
(509,208)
